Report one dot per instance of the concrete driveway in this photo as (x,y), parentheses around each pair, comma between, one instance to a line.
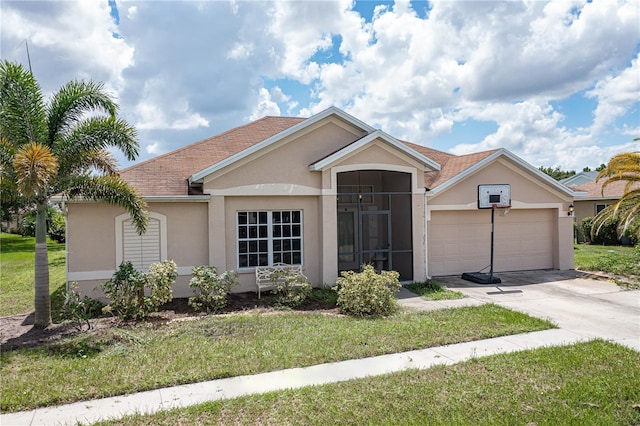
(588,307)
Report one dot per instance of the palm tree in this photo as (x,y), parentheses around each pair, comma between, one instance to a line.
(622,167)
(59,147)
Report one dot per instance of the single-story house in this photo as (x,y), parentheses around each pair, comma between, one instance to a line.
(330,193)
(590,199)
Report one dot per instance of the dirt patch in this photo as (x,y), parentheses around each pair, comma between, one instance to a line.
(17,331)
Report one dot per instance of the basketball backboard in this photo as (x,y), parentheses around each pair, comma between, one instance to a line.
(498,195)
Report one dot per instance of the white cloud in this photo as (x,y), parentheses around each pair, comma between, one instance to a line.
(240,51)
(616,95)
(152,148)
(75,37)
(265,106)
(131,12)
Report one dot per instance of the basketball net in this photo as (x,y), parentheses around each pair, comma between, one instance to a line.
(504,209)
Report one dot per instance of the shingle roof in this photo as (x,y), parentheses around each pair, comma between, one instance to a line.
(594,189)
(167,174)
(454,166)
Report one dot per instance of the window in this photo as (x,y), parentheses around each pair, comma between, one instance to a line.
(141,250)
(600,207)
(268,237)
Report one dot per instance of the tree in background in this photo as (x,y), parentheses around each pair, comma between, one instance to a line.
(556,173)
(59,146)
(622,167)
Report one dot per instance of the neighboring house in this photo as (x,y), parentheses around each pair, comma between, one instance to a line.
(591,200)
(329,192)
(580,178)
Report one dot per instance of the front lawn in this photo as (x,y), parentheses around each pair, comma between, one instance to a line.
(594,383)
(150,355)
(430,290)
(616,260)
(17,257)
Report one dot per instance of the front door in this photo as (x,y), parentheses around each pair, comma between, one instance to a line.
(375,239)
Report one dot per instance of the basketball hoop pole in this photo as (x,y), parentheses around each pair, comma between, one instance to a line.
(493,211)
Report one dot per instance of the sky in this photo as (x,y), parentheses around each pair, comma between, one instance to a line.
(556,83)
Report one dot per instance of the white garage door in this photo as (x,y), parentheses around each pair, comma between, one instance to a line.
(460,241)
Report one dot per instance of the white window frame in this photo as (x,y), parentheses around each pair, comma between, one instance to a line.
(121,219)
(596,207)
(270,237)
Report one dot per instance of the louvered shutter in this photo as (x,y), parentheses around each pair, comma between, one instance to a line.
(141,250)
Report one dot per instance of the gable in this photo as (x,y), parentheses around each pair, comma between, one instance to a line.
(378,153)
(526,187)
(335,115)
(286,160)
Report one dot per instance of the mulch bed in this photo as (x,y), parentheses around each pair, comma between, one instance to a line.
(17,331)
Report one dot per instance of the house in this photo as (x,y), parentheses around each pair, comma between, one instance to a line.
(580,178)
(331,193)
(591,200)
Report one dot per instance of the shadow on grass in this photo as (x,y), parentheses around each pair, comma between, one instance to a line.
(12,243)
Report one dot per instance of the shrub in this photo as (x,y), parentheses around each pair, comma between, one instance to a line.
(367,293)
(606,236)
(126,289)
(28,224)
(55,224)
(210,288)
(290,287)
(79,309)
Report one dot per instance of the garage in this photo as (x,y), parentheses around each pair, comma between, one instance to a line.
(460,241)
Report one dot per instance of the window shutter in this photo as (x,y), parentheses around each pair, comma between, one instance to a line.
(141,250)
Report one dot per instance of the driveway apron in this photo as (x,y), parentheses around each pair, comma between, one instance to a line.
(588,307)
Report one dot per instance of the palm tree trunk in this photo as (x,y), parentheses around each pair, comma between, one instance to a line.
(42,300)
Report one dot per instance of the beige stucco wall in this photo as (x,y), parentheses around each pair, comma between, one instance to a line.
(287,162)
(91,242)
(587,208)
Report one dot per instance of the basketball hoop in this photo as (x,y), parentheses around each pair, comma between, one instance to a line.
(491,197)
(504,209)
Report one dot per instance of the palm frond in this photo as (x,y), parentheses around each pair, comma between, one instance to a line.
(35,167)
(98,133)
(113,190)
(623,167)
(22,110)
(104,162)
(73,102)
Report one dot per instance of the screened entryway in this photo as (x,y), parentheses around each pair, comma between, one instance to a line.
(374,221)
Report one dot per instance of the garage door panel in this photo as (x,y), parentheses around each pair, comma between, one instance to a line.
(461,241)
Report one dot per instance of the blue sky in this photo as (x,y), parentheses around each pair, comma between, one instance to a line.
(557,83)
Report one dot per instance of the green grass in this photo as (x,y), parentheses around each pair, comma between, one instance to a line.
(17,271)
(147,356)
(609,259)
(594,383)
(430,290)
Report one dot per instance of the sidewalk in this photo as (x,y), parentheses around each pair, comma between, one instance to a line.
(196,393)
